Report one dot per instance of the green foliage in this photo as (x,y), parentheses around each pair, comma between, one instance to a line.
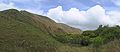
(97,41)
(91,34)
(102,35)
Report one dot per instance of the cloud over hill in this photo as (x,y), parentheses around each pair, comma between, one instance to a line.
(89,19)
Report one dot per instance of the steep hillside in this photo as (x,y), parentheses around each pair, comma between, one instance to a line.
(67,29)
(49,25)
(17,33)
(21,31)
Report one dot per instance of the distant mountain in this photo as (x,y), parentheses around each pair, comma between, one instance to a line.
(21,31)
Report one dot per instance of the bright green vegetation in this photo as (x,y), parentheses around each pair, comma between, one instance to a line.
(21,31)
(102,35)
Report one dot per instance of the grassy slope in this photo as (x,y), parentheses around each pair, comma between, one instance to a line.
(16,35)
(68,29)
(24,32)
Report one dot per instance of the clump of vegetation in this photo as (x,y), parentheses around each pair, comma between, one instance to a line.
(102,35)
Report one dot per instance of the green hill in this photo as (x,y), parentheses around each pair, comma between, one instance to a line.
(21,31)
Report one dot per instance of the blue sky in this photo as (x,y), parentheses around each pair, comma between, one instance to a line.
(82,14)
(45,5)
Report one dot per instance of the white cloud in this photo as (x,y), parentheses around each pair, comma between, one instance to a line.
(84,20)
(115,16)
(4,6)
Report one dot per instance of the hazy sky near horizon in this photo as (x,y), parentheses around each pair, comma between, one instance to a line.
(83,14)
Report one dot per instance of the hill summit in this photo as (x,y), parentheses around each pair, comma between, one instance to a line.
(23,31)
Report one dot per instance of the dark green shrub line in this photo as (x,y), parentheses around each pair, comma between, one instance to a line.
(102,35)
